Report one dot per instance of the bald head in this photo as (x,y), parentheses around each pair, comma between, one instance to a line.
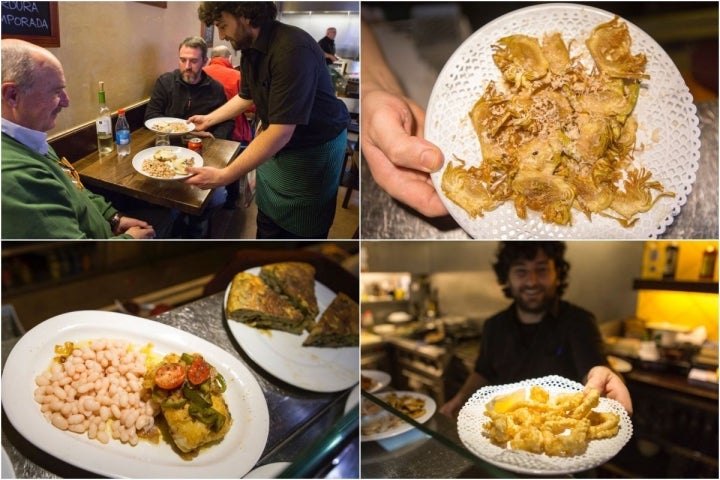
(33,85)
(221,51)
(21,60)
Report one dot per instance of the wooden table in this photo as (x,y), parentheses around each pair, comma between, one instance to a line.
(118,175)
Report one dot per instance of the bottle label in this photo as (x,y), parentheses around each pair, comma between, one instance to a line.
(122,137)
(103,125)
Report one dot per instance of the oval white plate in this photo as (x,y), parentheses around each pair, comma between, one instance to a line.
(403,427)
(181,152)
(153,122)
(668,137)
(472,417)
(380,379)
(234,456)
(353,399)
(283,355)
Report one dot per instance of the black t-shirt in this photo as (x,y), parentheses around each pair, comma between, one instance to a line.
(284,73)
(328,46)
(567,343)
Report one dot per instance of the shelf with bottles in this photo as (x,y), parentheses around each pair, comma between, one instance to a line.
(688,266)
(30,266)
(376,287)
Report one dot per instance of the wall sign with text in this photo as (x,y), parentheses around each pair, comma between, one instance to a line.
(36,22)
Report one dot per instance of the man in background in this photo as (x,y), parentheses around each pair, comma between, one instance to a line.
(42,195)
(220,68)
(327,43)
(188,90)
(182,93)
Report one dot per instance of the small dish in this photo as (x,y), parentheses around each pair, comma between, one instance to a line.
(169,125)
(180,152)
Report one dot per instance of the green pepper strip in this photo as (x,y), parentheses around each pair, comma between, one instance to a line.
(195,397)
(222,383)
(187,358)
(209,416)
(204,387)
(176,403)
(159,395)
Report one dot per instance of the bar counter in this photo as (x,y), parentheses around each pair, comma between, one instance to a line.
(298,418)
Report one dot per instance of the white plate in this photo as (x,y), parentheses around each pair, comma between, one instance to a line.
(399,317)
(271,470)
(181,152)
(472,417)
(353,399)
(618,364)
(234,456)
(380,379)
(7,467)
(282,354)
(403,427)
(668,137)
(152,124)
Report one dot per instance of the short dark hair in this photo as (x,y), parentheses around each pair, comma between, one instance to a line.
(510,252)
(258,13)
(195,42)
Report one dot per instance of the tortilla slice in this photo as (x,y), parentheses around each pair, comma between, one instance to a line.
(338,325)
(296,281)
(254,303)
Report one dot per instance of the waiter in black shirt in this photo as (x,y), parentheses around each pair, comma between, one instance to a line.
(300,149)
(327,43)
(539,334)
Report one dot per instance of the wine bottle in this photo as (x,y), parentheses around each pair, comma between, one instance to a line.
(103,125)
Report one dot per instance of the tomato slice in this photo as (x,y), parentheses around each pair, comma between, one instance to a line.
(199,371)
(170,375)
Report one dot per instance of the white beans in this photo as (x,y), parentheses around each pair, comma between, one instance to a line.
(97,391)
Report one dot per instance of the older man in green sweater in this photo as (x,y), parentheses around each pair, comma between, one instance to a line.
(42,195)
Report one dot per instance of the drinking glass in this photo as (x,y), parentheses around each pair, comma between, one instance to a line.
(162,139)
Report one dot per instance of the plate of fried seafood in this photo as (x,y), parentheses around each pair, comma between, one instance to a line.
(170,125)
(374,380)
(166,162)
(543,426)
(376,423)
(122,396)
(563,121)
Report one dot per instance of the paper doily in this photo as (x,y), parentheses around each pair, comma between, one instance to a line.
(472,418)
(668,137)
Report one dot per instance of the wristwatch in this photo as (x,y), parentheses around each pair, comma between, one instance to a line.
(115,221)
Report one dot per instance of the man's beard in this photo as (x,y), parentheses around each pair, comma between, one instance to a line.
(190,77)
(244,40)
(535,306)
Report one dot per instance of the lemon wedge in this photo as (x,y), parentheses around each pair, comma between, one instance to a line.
(503,403)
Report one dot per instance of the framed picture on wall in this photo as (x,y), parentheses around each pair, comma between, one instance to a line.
(35,22)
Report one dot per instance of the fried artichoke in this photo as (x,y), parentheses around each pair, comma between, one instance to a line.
(556,136)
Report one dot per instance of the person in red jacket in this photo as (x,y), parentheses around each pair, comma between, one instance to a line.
(220,68)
